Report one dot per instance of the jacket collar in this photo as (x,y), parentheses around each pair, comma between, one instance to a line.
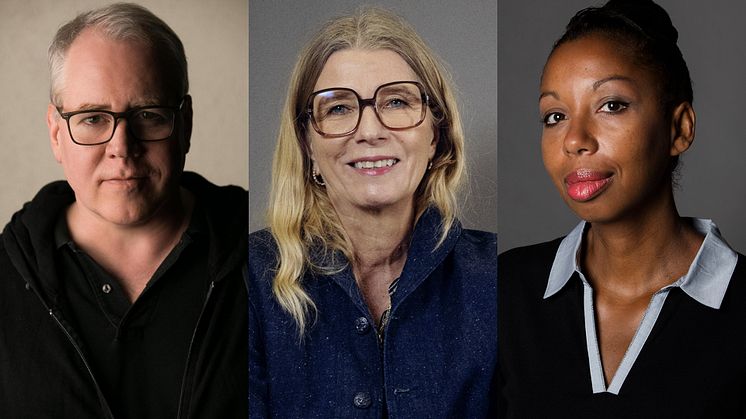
(706,280)
(423,256)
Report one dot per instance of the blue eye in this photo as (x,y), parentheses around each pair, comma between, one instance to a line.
(614,106)
(396,103)
(338,110)
(553,118)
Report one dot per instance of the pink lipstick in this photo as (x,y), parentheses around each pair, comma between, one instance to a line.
(586,184)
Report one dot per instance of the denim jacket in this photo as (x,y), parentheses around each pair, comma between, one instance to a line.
(438,356)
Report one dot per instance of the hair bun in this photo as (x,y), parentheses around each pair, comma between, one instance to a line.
(650,18)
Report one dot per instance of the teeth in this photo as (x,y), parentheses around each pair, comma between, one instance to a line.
(374,164)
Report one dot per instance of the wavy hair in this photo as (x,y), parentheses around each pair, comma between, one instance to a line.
(301,218)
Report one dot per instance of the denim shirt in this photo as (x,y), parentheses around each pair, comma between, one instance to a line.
(438,357)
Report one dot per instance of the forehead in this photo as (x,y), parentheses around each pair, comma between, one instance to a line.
(363,70)
(593,58)
(98,69)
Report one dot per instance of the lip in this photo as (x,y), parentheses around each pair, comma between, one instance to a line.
(124,181)
(373,171)
(585,184)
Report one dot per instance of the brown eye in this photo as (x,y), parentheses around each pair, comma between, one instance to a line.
(614,106)
(553,118)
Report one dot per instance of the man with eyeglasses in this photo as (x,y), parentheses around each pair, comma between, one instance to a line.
(121,291)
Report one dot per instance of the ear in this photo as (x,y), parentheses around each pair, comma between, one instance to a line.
(434,142)
(683,122)
(187,116)
(54,124)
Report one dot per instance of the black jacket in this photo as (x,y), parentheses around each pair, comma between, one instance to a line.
(43,369)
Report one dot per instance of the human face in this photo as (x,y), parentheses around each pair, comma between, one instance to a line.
(343,161)
(124,181)
(606,143)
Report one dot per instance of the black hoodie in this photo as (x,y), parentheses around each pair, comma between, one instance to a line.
(43,370)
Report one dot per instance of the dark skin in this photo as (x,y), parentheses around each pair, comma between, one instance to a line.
(602,115)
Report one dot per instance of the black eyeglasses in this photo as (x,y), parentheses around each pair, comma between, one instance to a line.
(145,123)
(337,111)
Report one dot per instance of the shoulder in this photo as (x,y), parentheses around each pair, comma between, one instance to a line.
(228,197)
(522,257)
(263,257)
(737,282)
(525,270)
(477,245)
(262,246)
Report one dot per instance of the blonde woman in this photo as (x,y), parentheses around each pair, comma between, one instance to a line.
(366,294)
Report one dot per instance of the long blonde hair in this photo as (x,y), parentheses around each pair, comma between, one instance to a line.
(301,218)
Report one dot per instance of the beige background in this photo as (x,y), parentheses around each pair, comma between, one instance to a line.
(216,40)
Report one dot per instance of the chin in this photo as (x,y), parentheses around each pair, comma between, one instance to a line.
(126,215)
(381,202)
(598,214)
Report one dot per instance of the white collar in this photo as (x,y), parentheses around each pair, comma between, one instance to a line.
(706,281)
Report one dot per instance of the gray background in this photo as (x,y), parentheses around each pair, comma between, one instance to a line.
(462,33)
(711,37)
(215,36)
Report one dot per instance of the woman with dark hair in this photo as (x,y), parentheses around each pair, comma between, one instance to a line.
(636,312)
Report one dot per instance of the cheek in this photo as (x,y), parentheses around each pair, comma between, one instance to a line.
(548,156)
(324,151)
(79,167)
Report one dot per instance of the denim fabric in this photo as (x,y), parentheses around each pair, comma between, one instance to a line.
(439,355)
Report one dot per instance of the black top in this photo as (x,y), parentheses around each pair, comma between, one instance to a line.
(693,364)
(137,350)
(189,336)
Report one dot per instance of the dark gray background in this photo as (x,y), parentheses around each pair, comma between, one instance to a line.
(464,34)
(712,37)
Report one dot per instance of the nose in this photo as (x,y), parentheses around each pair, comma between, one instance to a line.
(122,143)
(370,128)
(579,137)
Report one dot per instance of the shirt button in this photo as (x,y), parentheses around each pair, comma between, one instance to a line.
(106,288)
(362,400)
(362,325)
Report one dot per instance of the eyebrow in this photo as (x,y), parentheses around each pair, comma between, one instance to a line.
(615,77)
(549,93)
(596,85)
(92,107)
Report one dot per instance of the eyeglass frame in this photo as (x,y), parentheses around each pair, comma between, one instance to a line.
(363,103)
(119,115)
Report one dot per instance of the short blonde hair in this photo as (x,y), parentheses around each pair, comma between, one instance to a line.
(301,217)
(121,22)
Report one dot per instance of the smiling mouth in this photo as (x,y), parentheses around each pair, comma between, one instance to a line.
(374,164)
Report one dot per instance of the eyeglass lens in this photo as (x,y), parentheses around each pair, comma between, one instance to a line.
(398,106)
(149,124)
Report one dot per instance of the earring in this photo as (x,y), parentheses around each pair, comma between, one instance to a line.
(317,177)
(429,165)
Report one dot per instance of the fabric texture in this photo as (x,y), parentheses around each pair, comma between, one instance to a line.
(439,352)
(44,365)
(690,366)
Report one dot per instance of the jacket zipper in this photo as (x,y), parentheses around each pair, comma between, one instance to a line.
(189,352)
(100,394)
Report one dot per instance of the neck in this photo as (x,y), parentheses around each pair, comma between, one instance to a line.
(380,239)
(131,253)
(641,253)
